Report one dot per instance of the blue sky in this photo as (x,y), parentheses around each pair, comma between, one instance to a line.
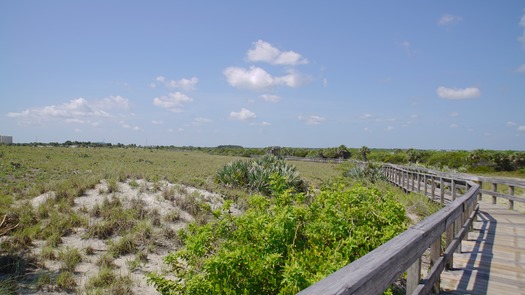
(385,74)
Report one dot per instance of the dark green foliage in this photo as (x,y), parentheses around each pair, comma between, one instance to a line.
(255,175)
(367,172)
(282,244)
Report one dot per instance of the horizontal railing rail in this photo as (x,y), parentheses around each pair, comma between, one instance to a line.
(377,270)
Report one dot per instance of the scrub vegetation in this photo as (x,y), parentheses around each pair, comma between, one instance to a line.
(101,219)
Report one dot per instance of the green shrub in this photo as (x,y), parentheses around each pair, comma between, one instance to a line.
(282,244)
(255,175)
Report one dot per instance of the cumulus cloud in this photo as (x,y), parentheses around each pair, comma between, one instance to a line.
(458,93)
(78,111)
(312,119)
(449,19)
(270,97)
(184,83)
(266,123)
(521,128)
(243,115)
(262,51)
(173,102)
(256,78)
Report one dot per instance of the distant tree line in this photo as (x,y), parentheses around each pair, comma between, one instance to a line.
(479,160)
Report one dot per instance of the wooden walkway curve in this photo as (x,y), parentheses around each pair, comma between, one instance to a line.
(472,245)
(492,259)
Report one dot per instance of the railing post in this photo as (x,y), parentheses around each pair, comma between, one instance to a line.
(511,192)
(453,189)
(425,181)
(494,189)
(480,188)
(442,186)
(433,187)
(413,276)
(418,182)
(458,223)
(435,252)
(449,237)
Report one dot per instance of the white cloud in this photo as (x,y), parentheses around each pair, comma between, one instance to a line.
(266,123)
(184,83)
(77,111)
(262,51)
(511,124)
(458,93)
(199,121)
(270,97)
(243,115)
(389,128)
(173,102)
(113,102)
(312,119)
(155,122)
(449,19)
(256,78)
(454,126)
(521,128)
(521,69)
(365,116)
(325,82)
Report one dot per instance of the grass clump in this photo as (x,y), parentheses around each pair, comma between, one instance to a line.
(122,246)
(70,258)
(65,281)
(107,282)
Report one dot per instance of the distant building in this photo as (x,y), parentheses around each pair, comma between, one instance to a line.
(6,139)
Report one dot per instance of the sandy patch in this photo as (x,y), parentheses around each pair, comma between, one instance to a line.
(161,197)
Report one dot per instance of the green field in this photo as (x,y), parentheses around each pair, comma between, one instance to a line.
(55,234)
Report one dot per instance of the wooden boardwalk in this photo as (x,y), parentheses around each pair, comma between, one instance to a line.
(492,260)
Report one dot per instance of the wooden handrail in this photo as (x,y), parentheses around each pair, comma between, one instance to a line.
(377,270)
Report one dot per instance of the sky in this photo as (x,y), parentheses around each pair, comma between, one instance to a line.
(382,74)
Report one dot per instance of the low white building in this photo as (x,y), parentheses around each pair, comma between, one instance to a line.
(6,139)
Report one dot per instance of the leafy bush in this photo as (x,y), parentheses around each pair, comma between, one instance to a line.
(282,244)
(256,175)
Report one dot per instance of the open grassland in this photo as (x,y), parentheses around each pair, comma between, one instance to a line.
(97,220)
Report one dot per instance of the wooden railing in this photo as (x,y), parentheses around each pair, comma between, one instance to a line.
(376,271)
(503,188)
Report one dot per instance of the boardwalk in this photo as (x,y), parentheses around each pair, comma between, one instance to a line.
(493,258)
(469,247)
